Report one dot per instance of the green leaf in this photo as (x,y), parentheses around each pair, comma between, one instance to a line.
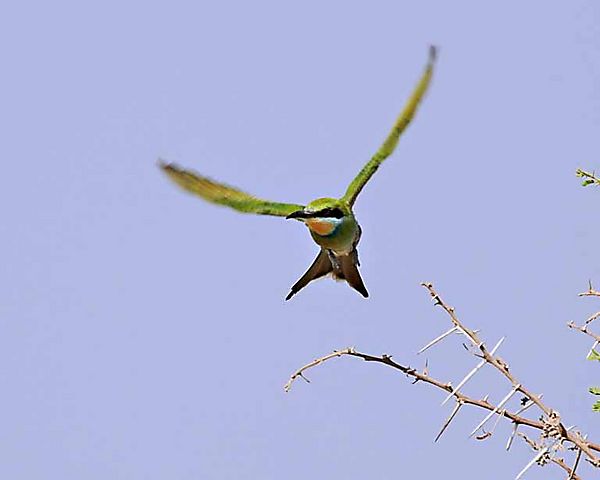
(596,406)
(595,390)
(585,183)
(594,355)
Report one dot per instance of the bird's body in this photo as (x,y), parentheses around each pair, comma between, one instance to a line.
(331,221)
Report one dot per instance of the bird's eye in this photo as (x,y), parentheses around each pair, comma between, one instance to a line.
(337,213)
(331,213)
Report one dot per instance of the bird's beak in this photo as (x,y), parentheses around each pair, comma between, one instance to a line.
(300,214)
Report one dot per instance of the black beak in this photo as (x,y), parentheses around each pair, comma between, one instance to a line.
(299,214)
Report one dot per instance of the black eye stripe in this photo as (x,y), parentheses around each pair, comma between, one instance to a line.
(330,213)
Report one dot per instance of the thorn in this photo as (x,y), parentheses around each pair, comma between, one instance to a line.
(473,371)
(575,465)
(450,418)
(512,436)
(437,339)
(594,345)
(464,380)
(540,454)
(496,409)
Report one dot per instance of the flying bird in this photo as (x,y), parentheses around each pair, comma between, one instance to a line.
(331,221)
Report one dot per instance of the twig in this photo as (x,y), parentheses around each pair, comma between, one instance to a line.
(314,363)
(557,460)
(499,364)
(411,372)
(585,330)
(590,292)
(589,178)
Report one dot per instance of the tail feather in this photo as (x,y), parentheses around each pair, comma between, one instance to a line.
(347,269)
(320,267)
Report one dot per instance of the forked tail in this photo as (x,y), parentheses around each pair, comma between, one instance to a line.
(343,267)
(320,267)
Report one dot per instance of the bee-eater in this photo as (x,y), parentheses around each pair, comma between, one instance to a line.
(330,221)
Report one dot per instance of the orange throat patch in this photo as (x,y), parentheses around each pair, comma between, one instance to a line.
(320,226)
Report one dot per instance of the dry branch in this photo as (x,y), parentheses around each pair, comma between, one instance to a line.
(585,328)
(552,433)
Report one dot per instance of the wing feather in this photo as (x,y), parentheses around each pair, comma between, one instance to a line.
(222,194)
(391,141)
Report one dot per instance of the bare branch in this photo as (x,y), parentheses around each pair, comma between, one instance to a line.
(557,460)
(590,292)
(299,373)
(585,330)
(497,362)
(553,434)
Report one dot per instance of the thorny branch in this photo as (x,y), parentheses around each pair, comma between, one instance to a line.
(553,434)
(545,457)
(590,292)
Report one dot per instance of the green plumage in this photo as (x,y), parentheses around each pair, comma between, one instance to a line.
(389,145)
(222,194)
(331,221)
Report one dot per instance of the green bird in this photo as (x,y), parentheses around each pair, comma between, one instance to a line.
(331,221)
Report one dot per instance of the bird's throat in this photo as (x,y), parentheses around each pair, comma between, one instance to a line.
(322,226)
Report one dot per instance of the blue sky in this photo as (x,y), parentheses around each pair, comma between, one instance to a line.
(143,333)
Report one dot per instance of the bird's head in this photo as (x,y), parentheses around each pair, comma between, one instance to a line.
(323,215)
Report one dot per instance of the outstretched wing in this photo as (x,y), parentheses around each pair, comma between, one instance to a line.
(222,194)
(392,139)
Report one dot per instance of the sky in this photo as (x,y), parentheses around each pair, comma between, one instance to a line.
(144,333)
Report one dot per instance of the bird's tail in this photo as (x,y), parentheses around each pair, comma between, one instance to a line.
(346,268)
(320,267)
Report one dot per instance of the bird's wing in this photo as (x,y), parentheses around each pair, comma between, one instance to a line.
(392,139)
(225,195)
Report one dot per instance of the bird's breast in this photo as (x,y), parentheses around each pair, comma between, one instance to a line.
(339,235)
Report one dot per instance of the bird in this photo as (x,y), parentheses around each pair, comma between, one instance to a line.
(330,221)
